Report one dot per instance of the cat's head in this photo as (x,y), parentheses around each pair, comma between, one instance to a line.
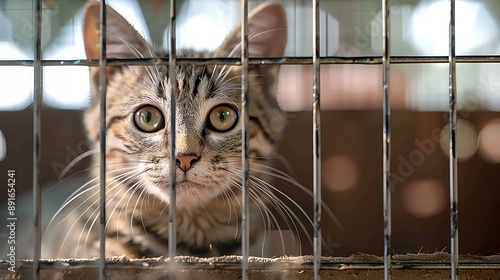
(208,119)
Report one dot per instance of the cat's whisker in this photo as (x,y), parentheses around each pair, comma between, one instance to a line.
(224,99)
(253,196)
(270,218)
(236,51)
(150,86)
(211,80)
(257,34)
(226,85)
(235,206)
(125,195)
(221,76)
(71,198)
(77,221)
(135,188)
(266,215)
(79,193)
(239,77)
(94,214)
(147,198)
(288,210)
(76,160)
(287,178)
(121,185)
(231,192)
(110,164)
(276,173)
(284,211)
(113,186)
(138,54)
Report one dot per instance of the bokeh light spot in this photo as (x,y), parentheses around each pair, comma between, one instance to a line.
(424,198)
(489,141)
(340,173)
(466,140)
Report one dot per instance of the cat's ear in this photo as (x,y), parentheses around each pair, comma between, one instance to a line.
(267,34)
(122,40)
(267,37)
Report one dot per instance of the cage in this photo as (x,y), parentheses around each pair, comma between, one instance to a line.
(379,129)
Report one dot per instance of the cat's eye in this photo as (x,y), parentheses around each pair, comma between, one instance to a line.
(149,119)
(222,118)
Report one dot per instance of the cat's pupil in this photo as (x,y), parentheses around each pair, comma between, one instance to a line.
(146,117)
(223,116)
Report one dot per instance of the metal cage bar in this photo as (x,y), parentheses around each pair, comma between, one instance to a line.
(172,225)
(245,212)
(295,60)
(37,104)
(316,111)
(453,148)
(102,142)
(386,135)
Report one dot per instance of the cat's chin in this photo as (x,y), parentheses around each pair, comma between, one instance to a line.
(192,195)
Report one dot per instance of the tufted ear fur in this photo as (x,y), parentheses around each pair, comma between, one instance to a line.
(267,37)
(122,40)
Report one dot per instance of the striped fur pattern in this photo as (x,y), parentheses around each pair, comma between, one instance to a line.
(208,174)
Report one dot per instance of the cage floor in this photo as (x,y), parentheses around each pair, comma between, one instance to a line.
(359,266)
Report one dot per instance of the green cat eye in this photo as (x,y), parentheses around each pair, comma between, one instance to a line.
(149,119)
(222,118)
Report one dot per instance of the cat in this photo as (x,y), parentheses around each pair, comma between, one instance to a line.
(208,146)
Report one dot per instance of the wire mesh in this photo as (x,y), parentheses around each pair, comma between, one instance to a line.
(316,60)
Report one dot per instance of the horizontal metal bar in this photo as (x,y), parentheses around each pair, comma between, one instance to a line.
(148,265)
(299,60)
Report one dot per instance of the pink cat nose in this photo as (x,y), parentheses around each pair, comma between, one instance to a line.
(184,162)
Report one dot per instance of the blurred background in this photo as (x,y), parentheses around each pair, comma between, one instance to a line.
(351,119)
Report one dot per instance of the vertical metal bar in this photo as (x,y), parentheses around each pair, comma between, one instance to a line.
(453,148)
(102,143)
(386,132)
(172,225)
(37,102)
(245,222)
(316,140)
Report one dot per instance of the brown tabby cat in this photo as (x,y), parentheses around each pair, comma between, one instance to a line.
(208,146)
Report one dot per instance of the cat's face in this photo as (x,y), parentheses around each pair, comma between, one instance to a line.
(208,114)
